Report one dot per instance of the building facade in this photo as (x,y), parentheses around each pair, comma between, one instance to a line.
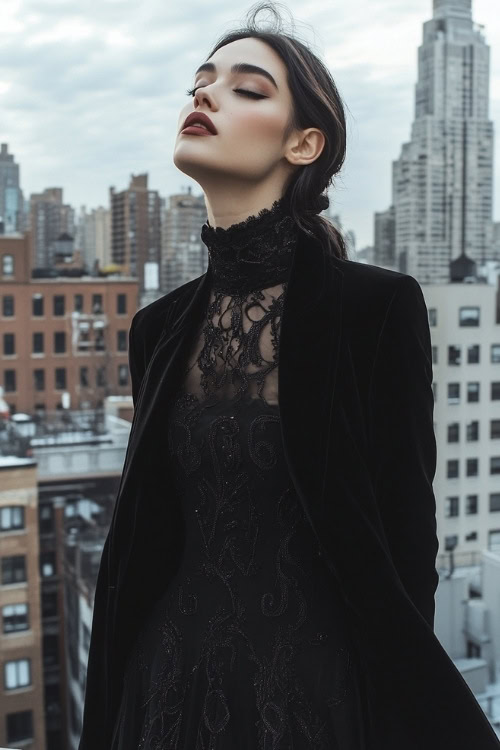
(464,319)
(22,721)
(135,227)
(184,256)
(442,182)
(11,197)
(61,335)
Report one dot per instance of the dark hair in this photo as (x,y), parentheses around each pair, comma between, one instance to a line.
(316,103)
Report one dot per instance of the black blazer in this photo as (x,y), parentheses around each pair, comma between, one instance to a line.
(356,406)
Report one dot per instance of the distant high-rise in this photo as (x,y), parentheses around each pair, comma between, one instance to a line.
(443,180)
(384,245)
(11,197)
(49,218)
(184,256)
(135,227)
(93,236)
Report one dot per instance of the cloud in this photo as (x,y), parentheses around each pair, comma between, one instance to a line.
(91,92)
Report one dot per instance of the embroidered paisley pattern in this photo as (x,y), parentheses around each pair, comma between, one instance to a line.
(248,647)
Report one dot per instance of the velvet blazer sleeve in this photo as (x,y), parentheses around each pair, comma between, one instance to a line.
(135,361)
(403,443)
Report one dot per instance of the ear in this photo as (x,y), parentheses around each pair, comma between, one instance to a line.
(305,147)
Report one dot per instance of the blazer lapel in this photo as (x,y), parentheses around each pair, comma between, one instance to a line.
(311,330)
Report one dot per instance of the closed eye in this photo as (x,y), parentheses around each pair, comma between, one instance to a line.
(242,92)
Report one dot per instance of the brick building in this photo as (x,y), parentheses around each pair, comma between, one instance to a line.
(22,692)
(61,334)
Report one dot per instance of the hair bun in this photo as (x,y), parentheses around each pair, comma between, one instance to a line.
(318,204)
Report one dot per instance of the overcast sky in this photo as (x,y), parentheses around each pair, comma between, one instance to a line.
(90,91)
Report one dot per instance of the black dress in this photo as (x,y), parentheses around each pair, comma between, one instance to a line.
(248,646)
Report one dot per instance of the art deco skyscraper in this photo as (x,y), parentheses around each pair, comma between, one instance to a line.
(443,179)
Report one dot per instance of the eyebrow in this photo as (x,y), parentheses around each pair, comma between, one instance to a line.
(239,68)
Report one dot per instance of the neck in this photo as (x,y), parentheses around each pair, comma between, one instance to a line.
(232,206)
(254,253)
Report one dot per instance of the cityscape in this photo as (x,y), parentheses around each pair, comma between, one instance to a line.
(71,280)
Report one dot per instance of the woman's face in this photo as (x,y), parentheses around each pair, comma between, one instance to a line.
(249,144)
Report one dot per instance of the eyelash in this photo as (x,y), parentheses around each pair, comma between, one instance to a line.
(252,94)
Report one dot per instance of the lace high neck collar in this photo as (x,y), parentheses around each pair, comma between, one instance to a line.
(253,254)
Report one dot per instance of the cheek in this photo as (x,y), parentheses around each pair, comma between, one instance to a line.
(265,126)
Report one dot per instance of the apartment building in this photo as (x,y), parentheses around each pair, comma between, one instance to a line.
(63,339)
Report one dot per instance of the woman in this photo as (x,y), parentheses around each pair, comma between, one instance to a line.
(268,578)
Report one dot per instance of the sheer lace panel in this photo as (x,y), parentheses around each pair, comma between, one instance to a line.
(235,354)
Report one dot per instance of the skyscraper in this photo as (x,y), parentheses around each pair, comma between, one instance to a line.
(135,227)
(443,180)
(11,198)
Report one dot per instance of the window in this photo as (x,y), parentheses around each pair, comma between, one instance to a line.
(450,542)
(46,519)
(454,355)
(121,304)
(9,343)
(58,304)
(121,343)
(19,726)
(472,467)
(100,377)
(453,432)
(471,537)
(494,502)
(472,431)
(60,378)
(9,381)
(84,377)
(14,618)
(78,303)
(432,312)
(122,375)
(39,380)
(452,468)
(17,673)
(49,604)
(494,428)
(472,392)
(38,343)
(453,393)
(495,391)
(495,353)
(451,508)
(468,316)
(8,306)
(14,569)
(47,564)
(473,354)
(37,305)
(8,265)
(59,342)
(471,505)
(97,303)
(83,337)
(50,650)
(11,517)
(99,341)
(494,541)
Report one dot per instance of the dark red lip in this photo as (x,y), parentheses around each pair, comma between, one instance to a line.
(201,118)
(195,130)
